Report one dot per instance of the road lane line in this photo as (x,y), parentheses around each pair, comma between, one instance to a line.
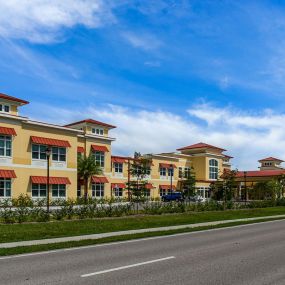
(127,266)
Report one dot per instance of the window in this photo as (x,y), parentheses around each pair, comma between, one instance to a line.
(39,190)
(98,189)
(59,154)
(5,146)
(187,172)
(163,192)
(98,131)
(267,163)
(39,151)
(213,169)
(58,191)
(118,167)
(180,172)
(148,171)
(4,108)
(118,192)
(170,172)
(99,158)
(162,171)
(5,187)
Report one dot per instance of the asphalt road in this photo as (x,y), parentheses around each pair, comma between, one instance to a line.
(252,254)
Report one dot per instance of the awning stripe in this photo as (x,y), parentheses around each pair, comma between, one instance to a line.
(50,142)
(52,180)
(7,131)
(101,148)
(7,173)
(97,179)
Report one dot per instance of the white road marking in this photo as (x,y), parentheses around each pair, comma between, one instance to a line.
(135,240)
(127,266)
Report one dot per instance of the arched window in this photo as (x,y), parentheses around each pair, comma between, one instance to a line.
(213,169)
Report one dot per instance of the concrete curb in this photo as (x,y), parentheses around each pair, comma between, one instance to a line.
(130,232)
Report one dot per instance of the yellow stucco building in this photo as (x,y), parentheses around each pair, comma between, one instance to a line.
(23,160)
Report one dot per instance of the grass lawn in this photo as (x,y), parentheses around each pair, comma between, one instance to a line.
(33,231)
(57,246)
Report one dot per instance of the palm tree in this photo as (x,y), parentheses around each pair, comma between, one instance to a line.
(87,167)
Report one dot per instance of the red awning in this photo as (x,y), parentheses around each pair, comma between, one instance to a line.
(149,186)
(101,148)
(97,179)
(7,174)
(167,165)
(118,159)
(118,185)
(50,142)
(7,131)
(52,180)
(80,149)
(166,187)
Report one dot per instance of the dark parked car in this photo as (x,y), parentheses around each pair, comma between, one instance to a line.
(173,196)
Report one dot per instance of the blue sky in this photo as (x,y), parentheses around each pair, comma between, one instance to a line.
(178,72)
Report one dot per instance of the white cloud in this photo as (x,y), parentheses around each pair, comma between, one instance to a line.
(41,21)
(246,136)
(141,40)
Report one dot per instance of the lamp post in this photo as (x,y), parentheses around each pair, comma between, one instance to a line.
(48,153)
(171,175)
(245,188)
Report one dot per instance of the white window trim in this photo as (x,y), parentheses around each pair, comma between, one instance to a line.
(5,156)
(3,106)
(5,189)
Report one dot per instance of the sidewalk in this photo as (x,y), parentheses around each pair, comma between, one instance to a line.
(130,232)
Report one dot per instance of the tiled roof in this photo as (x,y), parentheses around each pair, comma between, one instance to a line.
(261,173)
(11,98)
(97,179)
(271,159)
(167,165)
(7,173)
(200,145)
(7,131)
(50,142)
(91,121)
(119,185)
(52,180)
(166,187)
(99,148)
(80,149)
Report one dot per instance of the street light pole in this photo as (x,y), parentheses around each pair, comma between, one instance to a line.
(245,188)
(48,152)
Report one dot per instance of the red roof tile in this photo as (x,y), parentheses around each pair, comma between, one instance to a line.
(119,185)
(271,159)
(200,145)
(7,131)
(91,121)
(261,173)
(166,187)
(80,149)
(97,179)
(167,165)
(50,142)
(14,99)
(99,148)
(7,173)
(52,180)
(119,159)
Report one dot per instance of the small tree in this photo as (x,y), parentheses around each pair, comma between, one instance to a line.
(189,182)
(87,167)
(139,169)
